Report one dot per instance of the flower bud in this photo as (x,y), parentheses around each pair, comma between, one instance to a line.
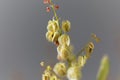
(45,77)
(42,63)
(53,25)
(82,61)
(53,77)
(55,36)
(89,49)
(64,52)
(49,68)
(66,26)
(64,39)
(60,69)
(97,39)
(74,73)
(49,36)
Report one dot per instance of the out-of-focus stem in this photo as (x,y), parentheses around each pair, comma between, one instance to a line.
(80,52)
(104,69)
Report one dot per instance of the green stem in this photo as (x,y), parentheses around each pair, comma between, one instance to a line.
(54,11)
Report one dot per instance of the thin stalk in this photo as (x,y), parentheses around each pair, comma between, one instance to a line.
(54,11)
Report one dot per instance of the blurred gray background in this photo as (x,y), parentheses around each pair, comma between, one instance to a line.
(22,36)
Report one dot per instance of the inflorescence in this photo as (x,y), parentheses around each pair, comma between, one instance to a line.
(69,65)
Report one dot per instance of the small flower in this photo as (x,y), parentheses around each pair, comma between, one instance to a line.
(66,26)
(46,1)
(49,68)
(95,37)
(56,7)
(64,52)
(42,63)
(74,73)
(53,25)
(53,78)
(49,36)
(52,36)
(89,49)
(55,36)
(45,77)
(47,9)
(64,39)
(53,31)
(60,69)
(82,60)
(64,55)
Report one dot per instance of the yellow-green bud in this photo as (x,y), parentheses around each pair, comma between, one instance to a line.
(60,69)
(49,36)
(82,60)
(45,77)
(55,36)
(97,39)
(48,68)
(64,52)
(66,26)
(64,39)
(74,73)
(53,26)
(42,63)
(89,49)
(53,77)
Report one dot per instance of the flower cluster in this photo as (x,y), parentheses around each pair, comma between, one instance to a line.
(48,73)
(51,5)
(69,65)
(53,31)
